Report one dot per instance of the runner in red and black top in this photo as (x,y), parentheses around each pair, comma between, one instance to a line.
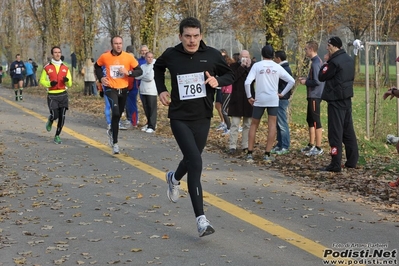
(56,77)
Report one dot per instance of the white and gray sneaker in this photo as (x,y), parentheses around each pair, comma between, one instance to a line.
(173,190)
(307,148)
(115,148)
(122,126)
(144,128)
(314,152)
(110,138)
(204,227)
(391,139)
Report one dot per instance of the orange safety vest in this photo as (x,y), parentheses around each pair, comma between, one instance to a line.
(54,76)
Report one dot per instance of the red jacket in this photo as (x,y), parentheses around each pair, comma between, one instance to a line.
(54,76)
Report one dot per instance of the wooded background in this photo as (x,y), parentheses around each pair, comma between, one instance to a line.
(32,27)
(84,27)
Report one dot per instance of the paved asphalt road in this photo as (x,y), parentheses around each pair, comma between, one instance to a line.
(77,204)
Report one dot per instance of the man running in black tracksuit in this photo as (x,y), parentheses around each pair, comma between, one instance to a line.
(195,70)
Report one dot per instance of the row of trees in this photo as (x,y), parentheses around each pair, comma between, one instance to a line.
(33,26)
(286,24)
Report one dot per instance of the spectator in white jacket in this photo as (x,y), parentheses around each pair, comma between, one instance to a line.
(266,74)
(149,93)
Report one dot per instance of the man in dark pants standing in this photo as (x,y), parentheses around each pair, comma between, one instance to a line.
(339,73)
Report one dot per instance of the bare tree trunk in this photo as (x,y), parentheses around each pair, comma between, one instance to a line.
(9,22)
(377,74)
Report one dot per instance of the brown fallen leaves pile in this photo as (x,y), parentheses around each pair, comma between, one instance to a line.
(366,184)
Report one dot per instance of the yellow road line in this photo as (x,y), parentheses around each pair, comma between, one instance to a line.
(274,229)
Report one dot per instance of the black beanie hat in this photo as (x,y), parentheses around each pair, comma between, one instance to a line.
(335,41)
(268,52)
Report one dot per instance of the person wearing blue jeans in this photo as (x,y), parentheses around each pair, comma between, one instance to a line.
(283,129)
(107,111)
(132,110)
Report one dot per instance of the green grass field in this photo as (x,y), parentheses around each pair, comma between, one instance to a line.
(386,120)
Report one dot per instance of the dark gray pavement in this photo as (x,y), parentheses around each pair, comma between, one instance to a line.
(77,204)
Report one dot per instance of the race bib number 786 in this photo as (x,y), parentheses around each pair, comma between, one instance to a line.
(191,86)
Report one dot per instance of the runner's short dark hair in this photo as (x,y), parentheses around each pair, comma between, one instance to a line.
(189,22)
(55,47)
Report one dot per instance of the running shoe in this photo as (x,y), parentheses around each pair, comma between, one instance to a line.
(149,130)
(221,126)
(110,138)
(204,227)
(282,151)
(307,148)
(122,126)
(268,159)
(20,97)
(127,123)
(330,168)
(16,98)
(144,128)
(49,124)
(275,149)
(115,149)
(249,158)
(57,140)
(314,152)
(231,151)
(173,190)
(391,139)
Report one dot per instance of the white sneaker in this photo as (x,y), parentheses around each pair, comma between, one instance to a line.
(221,126)
(307,148)
(249,158)
(204,227)
(149,130)
(391,139)
(115,148)
(282,151)
(122,126)
(173,190)
(275,149)
(314,152)
(144,128)
(268,159)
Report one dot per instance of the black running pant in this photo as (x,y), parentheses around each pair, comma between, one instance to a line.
(191,137)
(117,101)
(58,105)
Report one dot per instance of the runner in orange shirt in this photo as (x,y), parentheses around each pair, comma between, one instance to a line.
(119,66)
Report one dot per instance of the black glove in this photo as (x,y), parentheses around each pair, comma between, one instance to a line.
(101,94)
(65,79)
(53,83)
